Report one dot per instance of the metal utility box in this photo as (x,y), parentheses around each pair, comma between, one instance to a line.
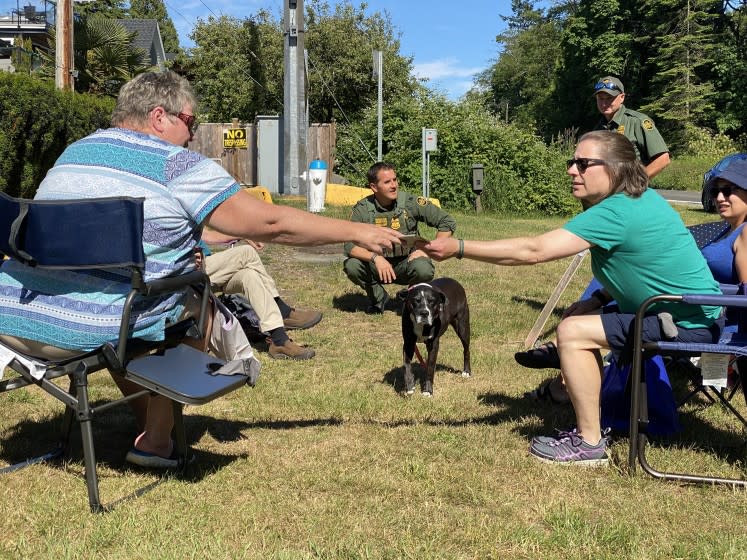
(269,152)
(478,170)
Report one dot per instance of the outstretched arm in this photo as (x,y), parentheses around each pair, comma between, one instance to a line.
(549,246)
(247,217)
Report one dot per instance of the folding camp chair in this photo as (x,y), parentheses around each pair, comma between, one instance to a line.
(106,233)
(730,343)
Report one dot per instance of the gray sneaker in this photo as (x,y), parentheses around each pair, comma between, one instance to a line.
(569,448)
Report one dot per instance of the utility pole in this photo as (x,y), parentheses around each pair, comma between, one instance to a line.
(63,74)
(294,100)
(378,64)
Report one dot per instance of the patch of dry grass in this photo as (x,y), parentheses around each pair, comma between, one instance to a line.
(323,459)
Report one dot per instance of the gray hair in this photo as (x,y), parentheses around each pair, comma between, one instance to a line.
(626,172)
(149,90)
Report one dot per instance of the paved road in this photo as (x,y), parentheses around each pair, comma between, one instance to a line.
(681,197)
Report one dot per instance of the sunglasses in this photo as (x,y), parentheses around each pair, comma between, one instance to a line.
(607,85)
(190,121)
(726,190)
(582,164)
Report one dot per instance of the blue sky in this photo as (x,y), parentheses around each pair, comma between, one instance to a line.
(449,41)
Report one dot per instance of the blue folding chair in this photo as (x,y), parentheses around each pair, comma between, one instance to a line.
(730,343)
(107,233)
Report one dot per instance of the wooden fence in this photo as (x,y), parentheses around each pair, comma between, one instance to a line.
(242,162)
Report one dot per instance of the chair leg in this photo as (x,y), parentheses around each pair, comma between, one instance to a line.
(180,435)
(637,381)
(83,411)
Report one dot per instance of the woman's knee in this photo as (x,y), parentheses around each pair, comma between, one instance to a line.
(581,331)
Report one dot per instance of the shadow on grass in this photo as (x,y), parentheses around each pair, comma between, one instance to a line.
(358,302)
(697,434)
(537,305)
(396,376)
(113,434)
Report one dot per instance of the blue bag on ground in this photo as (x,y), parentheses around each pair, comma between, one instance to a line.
(615,399)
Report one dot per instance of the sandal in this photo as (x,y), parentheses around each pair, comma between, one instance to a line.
(541,357)
(551,390)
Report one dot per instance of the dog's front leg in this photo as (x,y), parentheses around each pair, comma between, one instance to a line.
(430,366)
(408,350)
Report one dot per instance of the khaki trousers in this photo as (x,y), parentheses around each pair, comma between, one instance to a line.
(239,270)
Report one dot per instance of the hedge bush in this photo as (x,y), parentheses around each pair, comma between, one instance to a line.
(522,175)
(37,122)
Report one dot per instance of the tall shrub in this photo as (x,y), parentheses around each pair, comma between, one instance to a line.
(37,122)
(522,174)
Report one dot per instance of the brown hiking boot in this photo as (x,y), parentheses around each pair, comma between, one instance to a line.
(289,351)
(300,319)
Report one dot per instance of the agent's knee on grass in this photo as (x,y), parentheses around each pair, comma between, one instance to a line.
(421,269)
(357,271)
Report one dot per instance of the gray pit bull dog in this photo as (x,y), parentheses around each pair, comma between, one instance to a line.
(428,311)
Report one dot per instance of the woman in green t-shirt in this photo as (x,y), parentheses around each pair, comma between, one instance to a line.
(623,226)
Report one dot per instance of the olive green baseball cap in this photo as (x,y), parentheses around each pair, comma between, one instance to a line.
(610,85)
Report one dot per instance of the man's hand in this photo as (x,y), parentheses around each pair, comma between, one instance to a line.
(258,245)
(384,270)
(375,238)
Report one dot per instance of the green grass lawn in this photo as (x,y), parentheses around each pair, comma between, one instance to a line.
(324,459)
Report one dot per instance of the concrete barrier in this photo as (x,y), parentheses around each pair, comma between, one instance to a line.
(336,195)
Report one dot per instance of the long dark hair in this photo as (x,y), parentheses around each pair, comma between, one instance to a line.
(627,174)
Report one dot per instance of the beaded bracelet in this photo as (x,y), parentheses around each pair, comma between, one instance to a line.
(460,251)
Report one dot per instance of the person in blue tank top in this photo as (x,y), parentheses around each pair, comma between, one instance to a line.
(727,253)
(623,226)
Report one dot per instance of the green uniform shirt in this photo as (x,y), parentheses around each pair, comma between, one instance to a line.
(641,248)
(639,129)
(404,216)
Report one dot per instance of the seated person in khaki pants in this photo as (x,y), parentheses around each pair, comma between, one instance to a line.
(239,270)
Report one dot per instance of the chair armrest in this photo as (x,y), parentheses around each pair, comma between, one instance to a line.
(175,283)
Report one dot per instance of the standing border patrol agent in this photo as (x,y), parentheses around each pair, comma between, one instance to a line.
(637,127)
(401,211)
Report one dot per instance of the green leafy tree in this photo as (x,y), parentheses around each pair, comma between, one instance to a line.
(521,82)
(155,9)
(236,67)
(237,64)
(340,45)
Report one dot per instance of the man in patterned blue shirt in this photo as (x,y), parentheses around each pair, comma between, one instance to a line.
(143,155)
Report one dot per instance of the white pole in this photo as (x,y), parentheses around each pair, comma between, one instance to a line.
(380,104)
(424,167)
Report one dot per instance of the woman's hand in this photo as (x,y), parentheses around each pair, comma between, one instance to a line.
(582,307)
(441,248)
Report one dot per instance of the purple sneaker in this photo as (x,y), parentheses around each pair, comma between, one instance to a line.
(569,448)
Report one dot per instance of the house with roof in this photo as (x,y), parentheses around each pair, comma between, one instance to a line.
(148,38)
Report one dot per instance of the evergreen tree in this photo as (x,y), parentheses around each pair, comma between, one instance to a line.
(685,46)
(112,9)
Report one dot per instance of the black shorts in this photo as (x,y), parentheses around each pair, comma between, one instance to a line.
(619,326)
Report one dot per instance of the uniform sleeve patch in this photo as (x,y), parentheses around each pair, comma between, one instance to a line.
(648,124)
(422,201)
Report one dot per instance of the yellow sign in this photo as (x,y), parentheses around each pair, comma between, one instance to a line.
(234,138)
